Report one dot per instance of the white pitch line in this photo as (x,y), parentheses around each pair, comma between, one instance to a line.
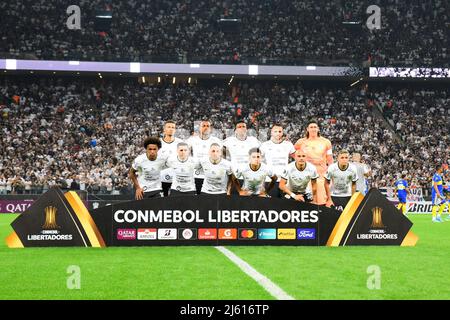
(262,280)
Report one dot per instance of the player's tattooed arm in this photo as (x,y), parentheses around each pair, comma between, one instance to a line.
(139,195)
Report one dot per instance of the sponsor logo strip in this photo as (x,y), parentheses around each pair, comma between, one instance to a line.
(147,234)
(167,234)
(187,234)
(267,234)
(306,234)
(227,234)
(207,234)
(247,234)
(286,234)
(126,234)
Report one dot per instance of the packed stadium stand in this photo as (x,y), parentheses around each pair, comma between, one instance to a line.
(85,132)
(287,32)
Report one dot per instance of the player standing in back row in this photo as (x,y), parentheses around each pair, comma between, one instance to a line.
(276,153)
(168,149)
(363,171)
(318,152)
(200,146)
(236,148)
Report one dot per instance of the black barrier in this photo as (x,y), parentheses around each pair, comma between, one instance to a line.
(50,221)
(215,220)
(58,219)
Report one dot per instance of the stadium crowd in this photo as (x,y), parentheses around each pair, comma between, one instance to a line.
(421,120)
(413,33)
(84,134)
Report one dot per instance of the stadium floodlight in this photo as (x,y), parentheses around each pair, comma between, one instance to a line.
(135,67)
(229,20)
(356,82)
(11,64)
(253,69)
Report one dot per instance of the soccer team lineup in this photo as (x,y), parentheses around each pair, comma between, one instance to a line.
(216,154)
(241,165)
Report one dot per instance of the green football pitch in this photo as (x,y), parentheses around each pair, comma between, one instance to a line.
(421,272)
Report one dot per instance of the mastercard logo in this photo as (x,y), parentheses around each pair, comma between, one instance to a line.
(247,234)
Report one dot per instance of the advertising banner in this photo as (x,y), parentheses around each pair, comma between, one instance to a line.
(58,219)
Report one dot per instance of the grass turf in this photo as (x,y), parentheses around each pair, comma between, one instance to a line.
(122,273)
(419,272)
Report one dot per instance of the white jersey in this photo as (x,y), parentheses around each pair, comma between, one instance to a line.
(239,149)
(361,169)
(254,180)
(183,173)
(200,149)
(168,150)
(149,172)
(216,176)
(298,180)
(341,180)
(276,155)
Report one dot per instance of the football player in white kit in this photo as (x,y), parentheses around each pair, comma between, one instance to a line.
(296,177)
(277,152)
(236,148)
(145,171)
(168,148)
(254,176)
(363,171)
(342,176)
(217,172)
(200,147)
(183,167)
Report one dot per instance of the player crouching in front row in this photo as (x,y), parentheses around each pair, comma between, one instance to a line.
(296,177)
(254,175)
